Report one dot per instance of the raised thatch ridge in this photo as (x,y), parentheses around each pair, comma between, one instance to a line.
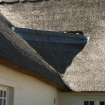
(15,49)
(19,47)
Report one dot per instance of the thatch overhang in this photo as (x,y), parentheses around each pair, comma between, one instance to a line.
(87,70)
(18,46)
(15,49)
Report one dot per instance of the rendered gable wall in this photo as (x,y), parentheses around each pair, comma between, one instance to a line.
(27,89)
(78,98)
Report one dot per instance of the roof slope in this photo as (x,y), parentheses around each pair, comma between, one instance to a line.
(20,48)
(87,70)
(17,50)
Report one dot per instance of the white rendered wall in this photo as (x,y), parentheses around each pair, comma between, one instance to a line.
(27,90)
(79,98)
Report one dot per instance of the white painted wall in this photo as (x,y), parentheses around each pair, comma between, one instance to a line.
(78,98)
(31,91)
(27,90)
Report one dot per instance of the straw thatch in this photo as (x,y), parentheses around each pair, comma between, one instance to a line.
(16,50)
(87,71)
(16,1)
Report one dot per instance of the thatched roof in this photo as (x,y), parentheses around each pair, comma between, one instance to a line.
(19,47)
(17,1)
(87,70)
(15,49)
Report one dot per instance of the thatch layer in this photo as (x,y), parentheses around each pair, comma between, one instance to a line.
(17,1)
(87,71)
(15,49)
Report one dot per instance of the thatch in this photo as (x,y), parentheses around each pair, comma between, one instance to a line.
(17,1)
(87,71)
(15,49)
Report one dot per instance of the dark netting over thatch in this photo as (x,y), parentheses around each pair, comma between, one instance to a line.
(87,70)
(57,48)
(15,49)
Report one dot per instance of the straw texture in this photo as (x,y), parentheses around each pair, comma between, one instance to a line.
(87,71)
